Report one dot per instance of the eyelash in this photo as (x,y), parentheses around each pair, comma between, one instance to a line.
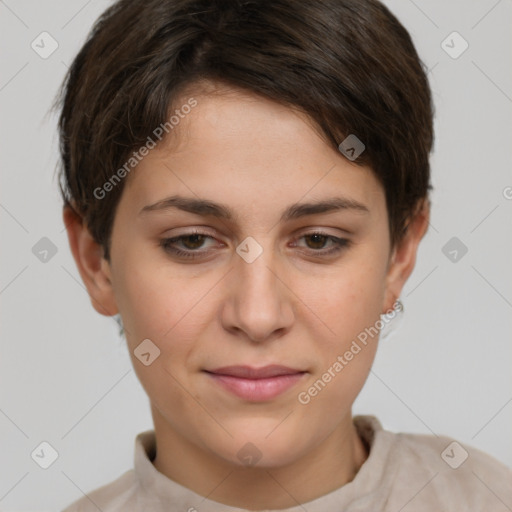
(166,244)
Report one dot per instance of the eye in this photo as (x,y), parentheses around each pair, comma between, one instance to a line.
(187,246)
(318,239)
(190,242)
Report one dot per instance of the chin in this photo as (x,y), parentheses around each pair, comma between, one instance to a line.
(260,450)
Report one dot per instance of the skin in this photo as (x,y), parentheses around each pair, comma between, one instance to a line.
(291,306)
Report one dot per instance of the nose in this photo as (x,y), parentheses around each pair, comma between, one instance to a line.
(259,302)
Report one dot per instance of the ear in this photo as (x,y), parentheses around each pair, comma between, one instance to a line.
(403,258)
(93,268)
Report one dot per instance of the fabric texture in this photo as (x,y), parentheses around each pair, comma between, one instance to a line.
(403,472)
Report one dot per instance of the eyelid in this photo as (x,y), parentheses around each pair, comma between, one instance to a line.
(339,232)
(339,246)
(175,238)
(336,241)
(196,230)
(310,230)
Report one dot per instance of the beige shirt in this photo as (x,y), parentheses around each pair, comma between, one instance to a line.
(403,473)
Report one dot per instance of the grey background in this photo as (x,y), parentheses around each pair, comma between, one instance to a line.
(65,375)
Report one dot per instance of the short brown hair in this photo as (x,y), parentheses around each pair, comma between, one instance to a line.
(348,64)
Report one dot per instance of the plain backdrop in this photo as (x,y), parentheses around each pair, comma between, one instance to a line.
(66,378)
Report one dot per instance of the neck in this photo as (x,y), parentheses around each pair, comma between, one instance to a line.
(330,465)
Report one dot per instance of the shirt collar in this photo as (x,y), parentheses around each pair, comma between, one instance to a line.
(161,490)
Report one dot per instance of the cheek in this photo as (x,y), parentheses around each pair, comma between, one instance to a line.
(171,310)
(351,308)
(346,354)
(337,386)
(162,311)
(149,304)
(352,301)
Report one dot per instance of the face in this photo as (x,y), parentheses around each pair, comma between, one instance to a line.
(268,282)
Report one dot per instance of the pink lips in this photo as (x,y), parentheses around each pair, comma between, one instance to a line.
(256,384)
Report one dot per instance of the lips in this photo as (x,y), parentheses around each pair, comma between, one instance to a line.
(248,372)
(256,384)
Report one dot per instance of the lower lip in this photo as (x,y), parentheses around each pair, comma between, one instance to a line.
(257,390)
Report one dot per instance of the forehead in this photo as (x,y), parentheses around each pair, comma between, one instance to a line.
(239,145)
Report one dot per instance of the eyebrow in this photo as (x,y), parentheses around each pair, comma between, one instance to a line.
(208,208)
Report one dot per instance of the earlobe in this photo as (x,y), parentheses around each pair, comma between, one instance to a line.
(404,255)
(93,268)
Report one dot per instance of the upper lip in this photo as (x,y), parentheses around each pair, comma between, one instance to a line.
(248,372)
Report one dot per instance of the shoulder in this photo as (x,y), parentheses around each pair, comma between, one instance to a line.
(421,473)
(128,491)
(112,497)
(459,474)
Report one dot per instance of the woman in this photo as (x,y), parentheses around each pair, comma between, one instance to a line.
(246,184)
